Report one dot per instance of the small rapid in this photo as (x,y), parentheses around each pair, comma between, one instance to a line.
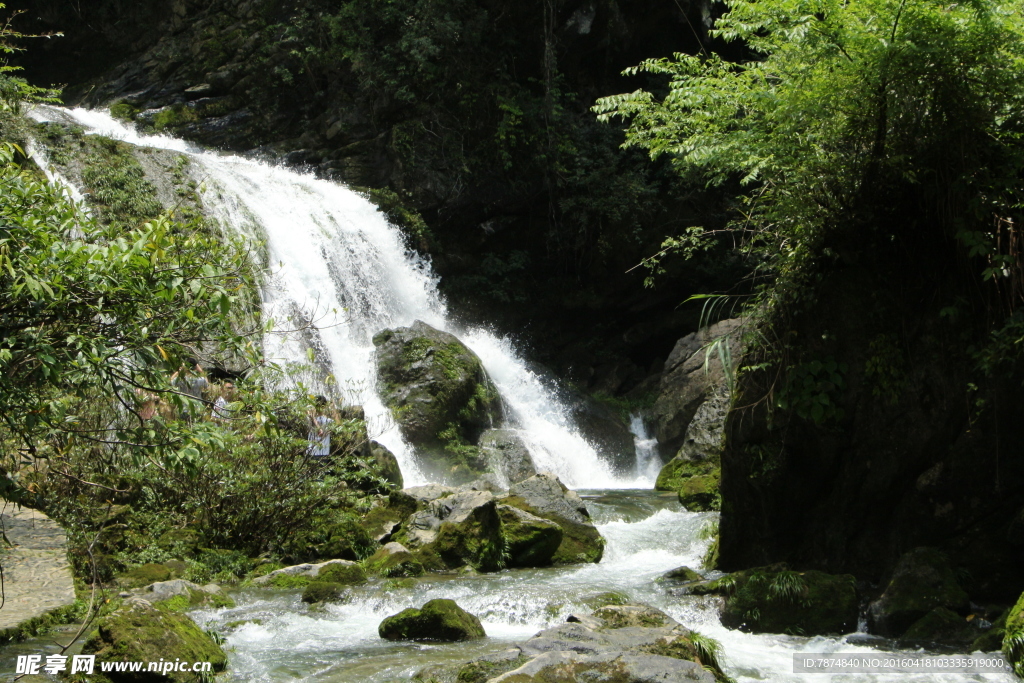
(275,637)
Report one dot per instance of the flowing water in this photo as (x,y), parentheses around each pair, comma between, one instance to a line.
(337,266)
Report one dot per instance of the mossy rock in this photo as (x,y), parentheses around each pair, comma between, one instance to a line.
(632,616)
(769,600)
(438,620)
(289,581)
(677,470)
(581,543)
(531,541)
(344,574)
(701,493)
(604,599)
(681,575)
(475,541)
(393,564)
(692,647)
(324,591)
(348,538)
(483,670)
(1013,637)
(922,581)
(139,631)
(939,627)
(439,394)
(379,520)
(144,575)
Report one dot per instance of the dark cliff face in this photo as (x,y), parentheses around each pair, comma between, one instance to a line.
(474,114)
(913,447)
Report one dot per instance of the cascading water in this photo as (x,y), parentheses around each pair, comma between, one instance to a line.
(336,261)
(648,462)
(337,267)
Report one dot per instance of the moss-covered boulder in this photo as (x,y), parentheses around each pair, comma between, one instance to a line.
(181,595)
(777,600)
(531,540)
(140,631)
(702,493)
(144,575)
(941,626)
(544,496)
(633,616)
(439,620)
(386,464)
(342,574)
(324,591)
(679,469)
(681,575)
(460,529)
(439,395)
(922,581)
(1013,637)
(393,560)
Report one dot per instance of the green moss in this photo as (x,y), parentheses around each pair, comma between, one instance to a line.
(124,111)
(799,603)
(941,625)
(194,600)
(529,544)
(676,471)
(484,670)
(139,632)
(1013,637)
(476,541)
(117,184)
(324,591)
(345,574)
(581,543)
(684,574)
(701,493)
(693,648)
(290,581)
(265,568)
(605,599)
(144,575)
(393,565)
(631,616)
(173,117)
(44,623)
(440,619)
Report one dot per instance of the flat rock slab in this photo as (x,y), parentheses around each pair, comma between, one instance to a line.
(37,576)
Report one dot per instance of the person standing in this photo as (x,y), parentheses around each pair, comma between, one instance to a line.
(319,430)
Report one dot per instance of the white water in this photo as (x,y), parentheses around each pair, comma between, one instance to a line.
(338,268)
(648,462)
(647,534)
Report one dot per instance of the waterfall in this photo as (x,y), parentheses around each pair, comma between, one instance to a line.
(336,266)
(648,462)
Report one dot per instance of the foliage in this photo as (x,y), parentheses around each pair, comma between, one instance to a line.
(812,389)
(874,121)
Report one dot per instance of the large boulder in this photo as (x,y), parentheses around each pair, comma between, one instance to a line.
(298,575)
(439,395)
(460,529)
(439,620)
(921,582)
(693,374)
(776,600)
(625,644)
(531,541)
(140,632)
(386,464)
(544,496)
(507,455)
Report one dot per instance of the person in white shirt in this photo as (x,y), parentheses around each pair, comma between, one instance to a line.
(319,430)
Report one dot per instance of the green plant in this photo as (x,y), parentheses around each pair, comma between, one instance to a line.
(813,389)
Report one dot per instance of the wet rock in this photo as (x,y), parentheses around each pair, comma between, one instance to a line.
(939,627)
(681,575)
(324,591)
(921,582)
(140,631)
(307,571)
(194,595)
(393,560)
(692,375)
(543,495)
(429,492)
(438,620)
(531,541)
(386,464)
(591,648)
(507,455)
(439,395)
(702,493)
(777,600)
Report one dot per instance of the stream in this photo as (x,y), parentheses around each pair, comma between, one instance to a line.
(335,261)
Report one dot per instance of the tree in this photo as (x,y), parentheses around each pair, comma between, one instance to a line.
(94,320)
(894,120)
